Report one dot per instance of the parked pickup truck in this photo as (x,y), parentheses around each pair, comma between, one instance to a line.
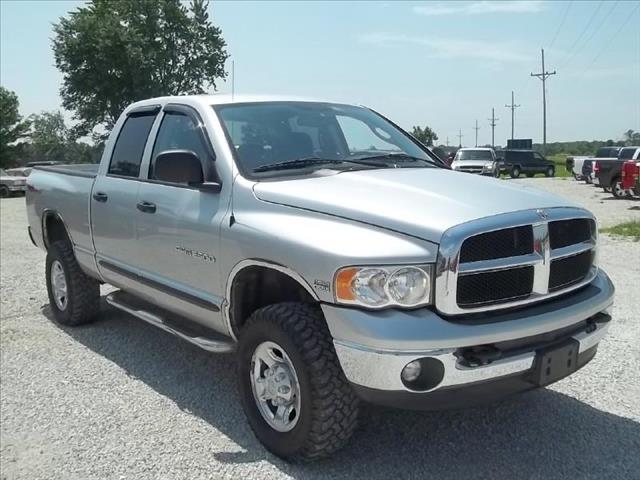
(331,252)
(607,172)
(476,160)
(574,164)
(12,182)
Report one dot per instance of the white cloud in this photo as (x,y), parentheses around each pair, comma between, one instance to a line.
(479,8)
(449,47)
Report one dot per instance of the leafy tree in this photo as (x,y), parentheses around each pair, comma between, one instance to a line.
(114,52)
(632,137)
(425,135)
(49,137)
(12,127)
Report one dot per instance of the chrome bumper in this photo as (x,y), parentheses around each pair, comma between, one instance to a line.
(381,370)
(374,347)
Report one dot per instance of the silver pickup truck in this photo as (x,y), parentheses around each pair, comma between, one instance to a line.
(333,253)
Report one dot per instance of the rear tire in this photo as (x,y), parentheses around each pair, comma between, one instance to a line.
(616,188)
(328,407)
(550,172)
(515,172)
(4,191)
(74,297)
(588,180)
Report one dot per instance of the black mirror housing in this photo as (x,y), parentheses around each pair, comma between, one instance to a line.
(178,166)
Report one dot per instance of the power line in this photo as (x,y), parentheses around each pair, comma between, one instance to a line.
(584,30)
(564,17)
(543,76)
(593,33)
(606,45)
(513,107)
(476,128)
(492,122)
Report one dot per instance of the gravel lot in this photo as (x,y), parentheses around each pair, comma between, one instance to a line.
(122,400)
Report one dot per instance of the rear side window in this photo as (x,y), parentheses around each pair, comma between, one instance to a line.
(127,153)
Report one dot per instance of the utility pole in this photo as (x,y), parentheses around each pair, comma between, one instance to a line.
(492,122)
(513,107)
(476,128)
(447,140)
(460,137)
(543,76)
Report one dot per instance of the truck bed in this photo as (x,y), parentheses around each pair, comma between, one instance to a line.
(89,170)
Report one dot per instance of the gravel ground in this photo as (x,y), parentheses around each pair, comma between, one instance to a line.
(122,400)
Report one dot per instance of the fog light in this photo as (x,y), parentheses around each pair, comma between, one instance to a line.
(411,371)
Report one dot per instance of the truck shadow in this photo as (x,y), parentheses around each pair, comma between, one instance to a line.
(543,434)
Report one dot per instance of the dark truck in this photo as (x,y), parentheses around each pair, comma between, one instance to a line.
(528,162)
(607,172)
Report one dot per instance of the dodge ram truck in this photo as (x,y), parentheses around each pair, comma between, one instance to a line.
(336,257)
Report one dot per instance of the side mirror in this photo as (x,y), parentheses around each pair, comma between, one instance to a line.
(178,166)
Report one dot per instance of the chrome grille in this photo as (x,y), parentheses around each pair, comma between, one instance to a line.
(514,259)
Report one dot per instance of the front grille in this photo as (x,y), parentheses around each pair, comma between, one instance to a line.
(563,233)
(509,242)
(569,270)
(494,287)
(513,259)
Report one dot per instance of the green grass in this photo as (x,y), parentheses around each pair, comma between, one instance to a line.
(627,229)
(559,160)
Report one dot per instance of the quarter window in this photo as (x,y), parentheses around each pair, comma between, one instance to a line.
(129,147)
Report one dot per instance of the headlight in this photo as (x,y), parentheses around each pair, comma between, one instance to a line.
(377,287)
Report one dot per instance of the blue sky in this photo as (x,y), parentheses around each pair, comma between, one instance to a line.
(443,64)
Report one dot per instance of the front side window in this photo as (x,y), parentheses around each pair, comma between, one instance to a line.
(265,133)
(627,153)
(129,147)
(177,132)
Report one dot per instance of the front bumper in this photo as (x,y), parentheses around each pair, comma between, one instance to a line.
(374,347)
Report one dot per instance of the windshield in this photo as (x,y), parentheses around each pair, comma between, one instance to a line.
(474,155)
(267,133)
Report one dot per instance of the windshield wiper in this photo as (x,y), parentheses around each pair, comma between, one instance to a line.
(396,158)
(297,163)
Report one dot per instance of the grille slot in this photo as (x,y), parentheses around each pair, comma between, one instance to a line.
(510,242)
(569,270)
(563,233)
(494,287)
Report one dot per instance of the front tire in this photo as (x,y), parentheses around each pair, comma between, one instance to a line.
(287,363)
(515,172)
(4,191)
(74,297)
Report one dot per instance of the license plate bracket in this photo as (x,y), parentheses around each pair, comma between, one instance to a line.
(556,362)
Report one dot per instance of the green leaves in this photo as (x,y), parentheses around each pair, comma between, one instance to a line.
(115,52)
(12,127)
(425,135)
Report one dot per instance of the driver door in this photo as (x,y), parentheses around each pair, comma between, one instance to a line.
(178,226)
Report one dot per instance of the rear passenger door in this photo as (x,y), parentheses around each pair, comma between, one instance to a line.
(114,198)
(178,238)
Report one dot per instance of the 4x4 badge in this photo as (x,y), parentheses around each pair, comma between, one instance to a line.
(542,214)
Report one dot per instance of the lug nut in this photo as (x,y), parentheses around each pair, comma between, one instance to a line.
(284,389)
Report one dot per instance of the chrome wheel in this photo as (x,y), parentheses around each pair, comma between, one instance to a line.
(617,189)
(275,386)
(59,285)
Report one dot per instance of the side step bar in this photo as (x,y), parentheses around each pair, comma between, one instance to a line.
(198,335)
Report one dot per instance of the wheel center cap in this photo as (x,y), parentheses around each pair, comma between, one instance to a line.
(278,384)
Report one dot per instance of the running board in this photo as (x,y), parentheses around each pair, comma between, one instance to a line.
(196,334)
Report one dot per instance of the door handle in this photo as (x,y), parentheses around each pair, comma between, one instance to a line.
(100,197)
(147,207)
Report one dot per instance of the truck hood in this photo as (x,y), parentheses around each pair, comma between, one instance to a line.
(421,202)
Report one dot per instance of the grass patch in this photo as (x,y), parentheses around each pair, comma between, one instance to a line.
(627,229)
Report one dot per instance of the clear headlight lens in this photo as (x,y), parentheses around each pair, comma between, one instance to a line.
(376,287)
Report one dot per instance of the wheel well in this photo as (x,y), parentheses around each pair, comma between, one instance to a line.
(255,287)
(54,229)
